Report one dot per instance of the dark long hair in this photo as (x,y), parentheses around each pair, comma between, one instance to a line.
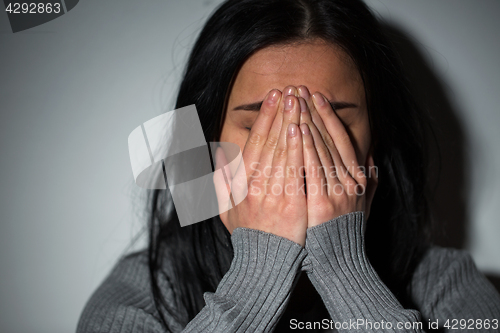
(396,236)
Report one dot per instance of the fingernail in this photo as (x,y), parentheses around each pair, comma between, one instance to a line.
(288,103)
(303,105)
(290,91)
(318,99)
(274,96)
(304,92)
(304,128)
(292,129)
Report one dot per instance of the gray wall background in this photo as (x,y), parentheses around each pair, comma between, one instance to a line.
(72,90)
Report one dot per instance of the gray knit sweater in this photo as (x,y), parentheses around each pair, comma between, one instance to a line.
(253,294)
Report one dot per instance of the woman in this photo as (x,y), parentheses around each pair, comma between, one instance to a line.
(328,95)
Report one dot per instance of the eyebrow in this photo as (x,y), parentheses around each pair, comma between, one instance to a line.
(257,105)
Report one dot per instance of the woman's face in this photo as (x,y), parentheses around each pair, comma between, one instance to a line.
(319,66)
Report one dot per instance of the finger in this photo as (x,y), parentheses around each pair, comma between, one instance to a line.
(222,183)
(313,117)
(260,130)
(294,181)
(304,93)
(340,171)
(338,133)
(315,176)
(290,91)
(322,150)
(291,114)
(318,131)
(267,154)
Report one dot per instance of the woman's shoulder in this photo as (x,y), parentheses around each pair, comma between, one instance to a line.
(445,279)
(123,298)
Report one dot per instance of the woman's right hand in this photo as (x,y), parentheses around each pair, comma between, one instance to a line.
(271,169)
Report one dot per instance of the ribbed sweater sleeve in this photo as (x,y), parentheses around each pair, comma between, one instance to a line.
(351,290)
(254,292)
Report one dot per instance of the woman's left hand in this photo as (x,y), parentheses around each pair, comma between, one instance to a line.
(336,183)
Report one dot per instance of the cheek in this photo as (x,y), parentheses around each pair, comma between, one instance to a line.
(233,134)
(361,141)
(359,132)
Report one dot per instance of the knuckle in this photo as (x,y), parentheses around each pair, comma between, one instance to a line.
(293,144)
(343,138)
(308,144)
(328,141)
(272,142)
(336,190)
(317,171)
(237,185)
(270,201)
(350,186)
(254,194)
(323,151)
(255,139)
(280,152)
(292,171)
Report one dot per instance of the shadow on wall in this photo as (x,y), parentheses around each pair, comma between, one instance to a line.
(450,205)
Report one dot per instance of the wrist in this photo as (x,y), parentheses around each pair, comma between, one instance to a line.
(341,236)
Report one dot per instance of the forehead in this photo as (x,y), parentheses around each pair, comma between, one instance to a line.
(318,65)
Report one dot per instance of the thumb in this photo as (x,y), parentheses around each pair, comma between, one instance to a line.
(372,182)
(222,182)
